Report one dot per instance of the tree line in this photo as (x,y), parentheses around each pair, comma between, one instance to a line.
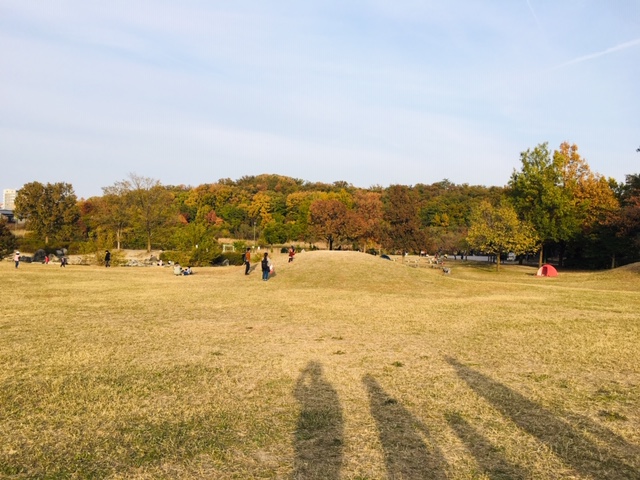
(554,206)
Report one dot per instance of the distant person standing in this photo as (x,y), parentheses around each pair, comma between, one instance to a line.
(292,253)
(107,259)
(266,267)
(247,261)
(16,259)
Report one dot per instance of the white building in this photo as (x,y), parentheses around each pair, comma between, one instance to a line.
(8,199)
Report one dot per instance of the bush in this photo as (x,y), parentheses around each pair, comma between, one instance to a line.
(31,243)
(175,256)
(204,256)
(234,258)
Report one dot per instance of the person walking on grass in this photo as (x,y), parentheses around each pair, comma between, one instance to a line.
(247,261)
(16,259)
(107,259)
(266,267)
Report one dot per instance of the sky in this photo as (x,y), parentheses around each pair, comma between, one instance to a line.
(373,93)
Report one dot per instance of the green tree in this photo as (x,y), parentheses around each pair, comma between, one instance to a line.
(275,233)
(538,195)
(114,212)
(148,203)
(198,240)
(51,210)
(8,242)
(497,230)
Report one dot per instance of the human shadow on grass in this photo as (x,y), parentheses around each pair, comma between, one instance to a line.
(318,438)
(494,465)
(577,451)
(403,438)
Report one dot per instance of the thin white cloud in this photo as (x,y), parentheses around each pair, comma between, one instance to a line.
(534,14)
(371,92)
(591,56)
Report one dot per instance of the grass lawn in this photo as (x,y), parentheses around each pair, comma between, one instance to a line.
(343,365)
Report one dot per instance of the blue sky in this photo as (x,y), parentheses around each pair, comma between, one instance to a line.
(373,92)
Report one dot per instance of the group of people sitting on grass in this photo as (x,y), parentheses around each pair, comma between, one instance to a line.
(178,270)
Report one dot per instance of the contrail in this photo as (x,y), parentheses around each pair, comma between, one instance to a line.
(591,56)
(533,13)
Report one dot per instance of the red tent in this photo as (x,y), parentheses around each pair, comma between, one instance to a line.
(547,270)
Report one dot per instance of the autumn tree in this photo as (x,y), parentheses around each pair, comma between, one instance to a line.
(298,205)
(261,208)
(626,222)
(538,195)
(498,230)
(591,194)
(368,213)
(50,210)
(327,219)
(401,230)
(594,203)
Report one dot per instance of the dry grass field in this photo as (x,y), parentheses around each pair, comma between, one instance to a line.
(343,365)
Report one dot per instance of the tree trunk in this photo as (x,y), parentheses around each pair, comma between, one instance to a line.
(497,262)
(541,256)
(613,261)
(118,239)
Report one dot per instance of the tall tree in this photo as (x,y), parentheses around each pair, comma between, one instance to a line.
(261,207)
(626,222)
(368,211)
(8,241)
(327,219)
(594,204)
(401,222)
(497,230)
(150,204)
(591,194)
(51,210)
(114,212)
(539,197)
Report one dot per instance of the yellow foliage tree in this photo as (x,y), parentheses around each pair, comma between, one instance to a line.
(497,230)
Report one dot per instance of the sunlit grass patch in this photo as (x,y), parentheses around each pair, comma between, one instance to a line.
(344,365)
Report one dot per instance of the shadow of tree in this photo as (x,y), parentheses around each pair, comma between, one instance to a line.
(584,456)
(494,465)
(318,439)
(406,454)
